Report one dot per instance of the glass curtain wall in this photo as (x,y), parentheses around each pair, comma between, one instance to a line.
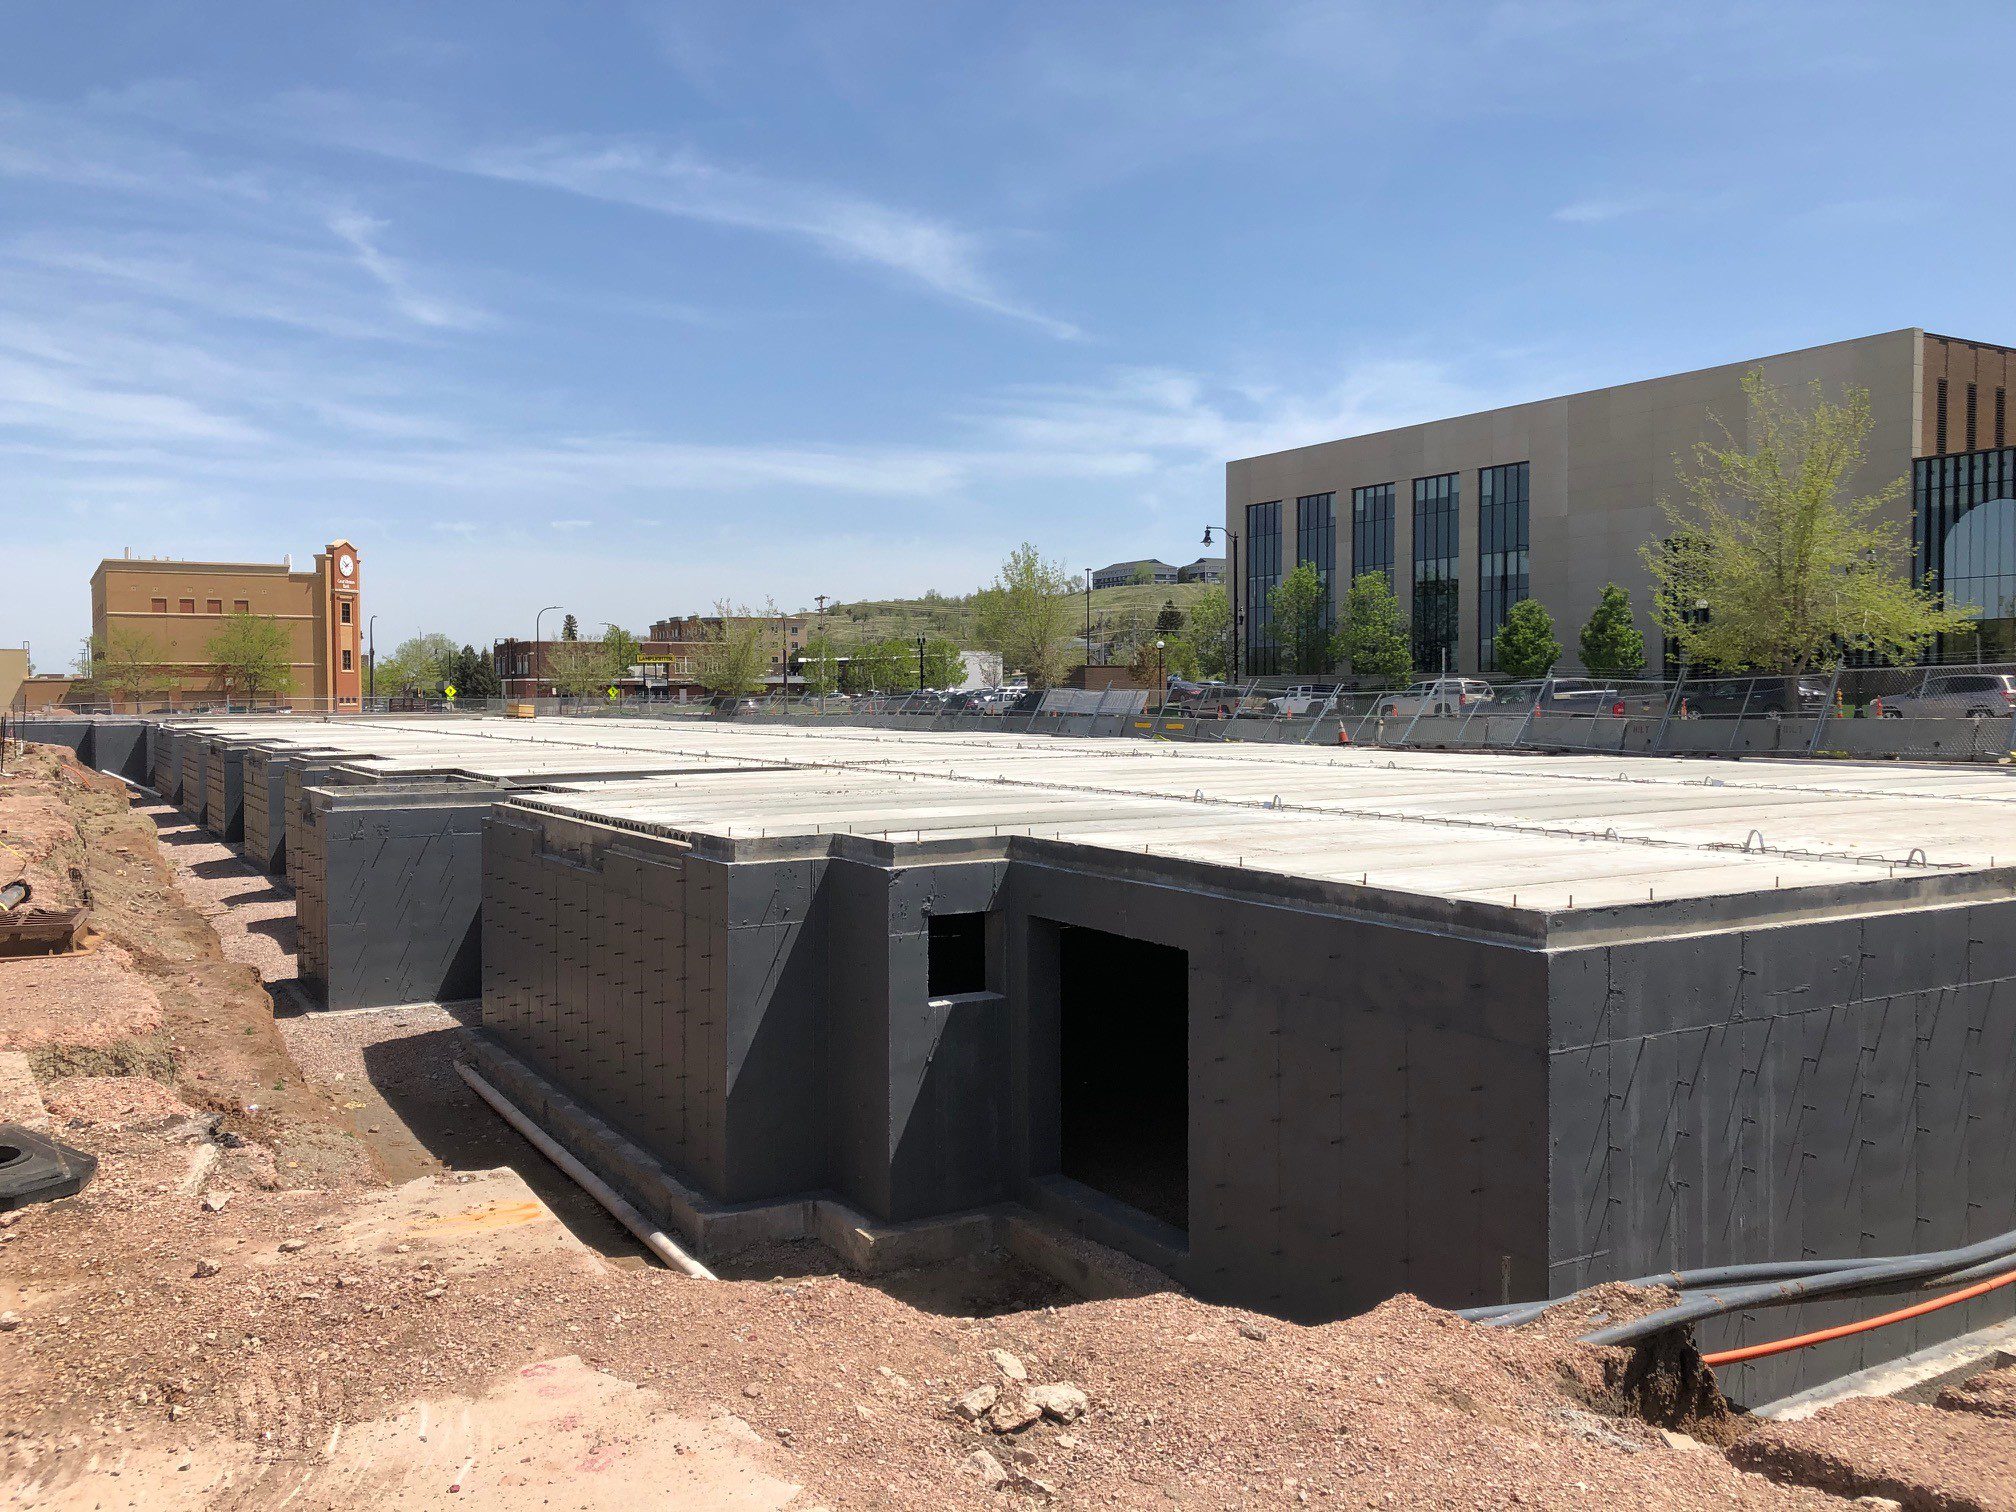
(1436,545)
(1501,553)
(1263,575)
(1964,539)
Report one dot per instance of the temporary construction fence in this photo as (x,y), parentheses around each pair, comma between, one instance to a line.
(1936,713)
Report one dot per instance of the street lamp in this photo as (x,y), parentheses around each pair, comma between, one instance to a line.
(371,690)
(1161,681)
(1231,587)
(1088,616)
(825,651)
(920,664)
(538,658)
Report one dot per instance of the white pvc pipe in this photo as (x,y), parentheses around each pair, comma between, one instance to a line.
(656,1240)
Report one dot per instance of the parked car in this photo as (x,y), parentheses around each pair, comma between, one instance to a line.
(1305,701)
(1755,697)
(1213,700)
(1444,695)
(1578,695)
(1957,695)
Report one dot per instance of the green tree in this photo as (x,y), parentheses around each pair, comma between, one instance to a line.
(252,657)
(577,668)
(731,660)
(620,652)
(1299,602)
(1026,615)
(1611,643)
(944,667)
(125,664)
(1153,667)
(1141,577)
(1210,633)
(472,675)
(1792,571)
(1169,619)
(1373,637)
(418,664)
(570,628)
(1525,645)
(819,665)
(878,666)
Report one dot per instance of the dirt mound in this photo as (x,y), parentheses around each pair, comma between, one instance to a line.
(1874,1446)
(1992,1394)
(114,1102)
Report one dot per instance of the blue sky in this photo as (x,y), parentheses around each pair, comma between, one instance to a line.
(634,307)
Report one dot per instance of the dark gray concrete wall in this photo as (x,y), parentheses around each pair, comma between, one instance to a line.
(195,787)
(1367,1103)
(388,910)
(76,734)
(224,791)
(1816,1090)
(167,763)
(122,747)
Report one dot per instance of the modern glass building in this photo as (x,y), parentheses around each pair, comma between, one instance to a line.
(1553,499)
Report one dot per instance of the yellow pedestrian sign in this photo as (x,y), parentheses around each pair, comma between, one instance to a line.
(448,692)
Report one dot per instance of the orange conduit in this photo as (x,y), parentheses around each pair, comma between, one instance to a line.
(1803,1341)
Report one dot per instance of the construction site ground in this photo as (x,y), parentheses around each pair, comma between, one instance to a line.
(314,1270)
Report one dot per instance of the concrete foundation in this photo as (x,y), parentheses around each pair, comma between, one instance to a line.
(389,892)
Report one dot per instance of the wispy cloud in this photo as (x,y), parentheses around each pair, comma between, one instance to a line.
(360,233)
(1594,212)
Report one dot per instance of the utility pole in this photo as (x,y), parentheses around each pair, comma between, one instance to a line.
(371,691)
(825,651)
(1088,616)
(920,664)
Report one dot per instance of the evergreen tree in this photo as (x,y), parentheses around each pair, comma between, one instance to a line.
(1525,646)
(1611,644)
(570,629)
(1169,621)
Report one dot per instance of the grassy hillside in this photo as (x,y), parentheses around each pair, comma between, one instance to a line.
(1112,609)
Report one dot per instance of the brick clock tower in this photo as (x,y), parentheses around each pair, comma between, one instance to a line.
(344,621)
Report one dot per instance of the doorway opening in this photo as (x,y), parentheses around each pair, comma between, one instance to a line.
(1124,1070)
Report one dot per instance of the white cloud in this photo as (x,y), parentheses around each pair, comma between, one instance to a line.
(360,233)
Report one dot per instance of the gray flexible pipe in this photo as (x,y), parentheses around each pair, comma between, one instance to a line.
(1894,1275)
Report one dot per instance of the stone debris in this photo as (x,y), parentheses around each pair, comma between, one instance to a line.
(1013,1415)
(975,1403)
(990,1471)
(1060,1400)
(215,1202)
(206,1267)
(1008,1365)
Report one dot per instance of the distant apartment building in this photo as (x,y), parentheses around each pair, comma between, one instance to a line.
(168,613)
(1203,570)
(1145,570)
(1552,499)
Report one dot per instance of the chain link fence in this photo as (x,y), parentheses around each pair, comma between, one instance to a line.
(1932,713)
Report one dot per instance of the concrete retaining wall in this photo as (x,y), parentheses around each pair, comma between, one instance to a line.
(224,791)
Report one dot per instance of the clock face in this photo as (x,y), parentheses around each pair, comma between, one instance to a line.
(346,564)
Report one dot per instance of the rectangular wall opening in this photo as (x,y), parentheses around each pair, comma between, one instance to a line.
(958,961)
(1124,1070)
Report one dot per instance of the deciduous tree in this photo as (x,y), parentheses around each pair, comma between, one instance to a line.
(1209,633)
(1026,615)
(253,658)
(1611,643)
(1791,569)
(1525,645)
(125,665)
(1373,637)
(731,661)
(1299,602)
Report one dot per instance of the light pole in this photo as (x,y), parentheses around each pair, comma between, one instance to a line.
(1161,680)
(1231,587)
(1088,616)
(537,661)
(920,664)
(371,685)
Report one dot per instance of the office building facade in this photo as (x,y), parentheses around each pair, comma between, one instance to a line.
(1553,499)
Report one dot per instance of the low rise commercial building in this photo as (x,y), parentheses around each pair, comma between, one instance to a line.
(1553,499)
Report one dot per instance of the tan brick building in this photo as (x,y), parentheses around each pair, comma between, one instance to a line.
(1550,500)
(175,609)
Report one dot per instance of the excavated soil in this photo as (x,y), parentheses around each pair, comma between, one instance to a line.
(1992,1394)
(1920,1456)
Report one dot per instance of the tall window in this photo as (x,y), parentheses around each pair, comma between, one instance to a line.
(1501,553)
(1316,544)
(1263,575)
(1372,530)
(1436,501)
(1964,538)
